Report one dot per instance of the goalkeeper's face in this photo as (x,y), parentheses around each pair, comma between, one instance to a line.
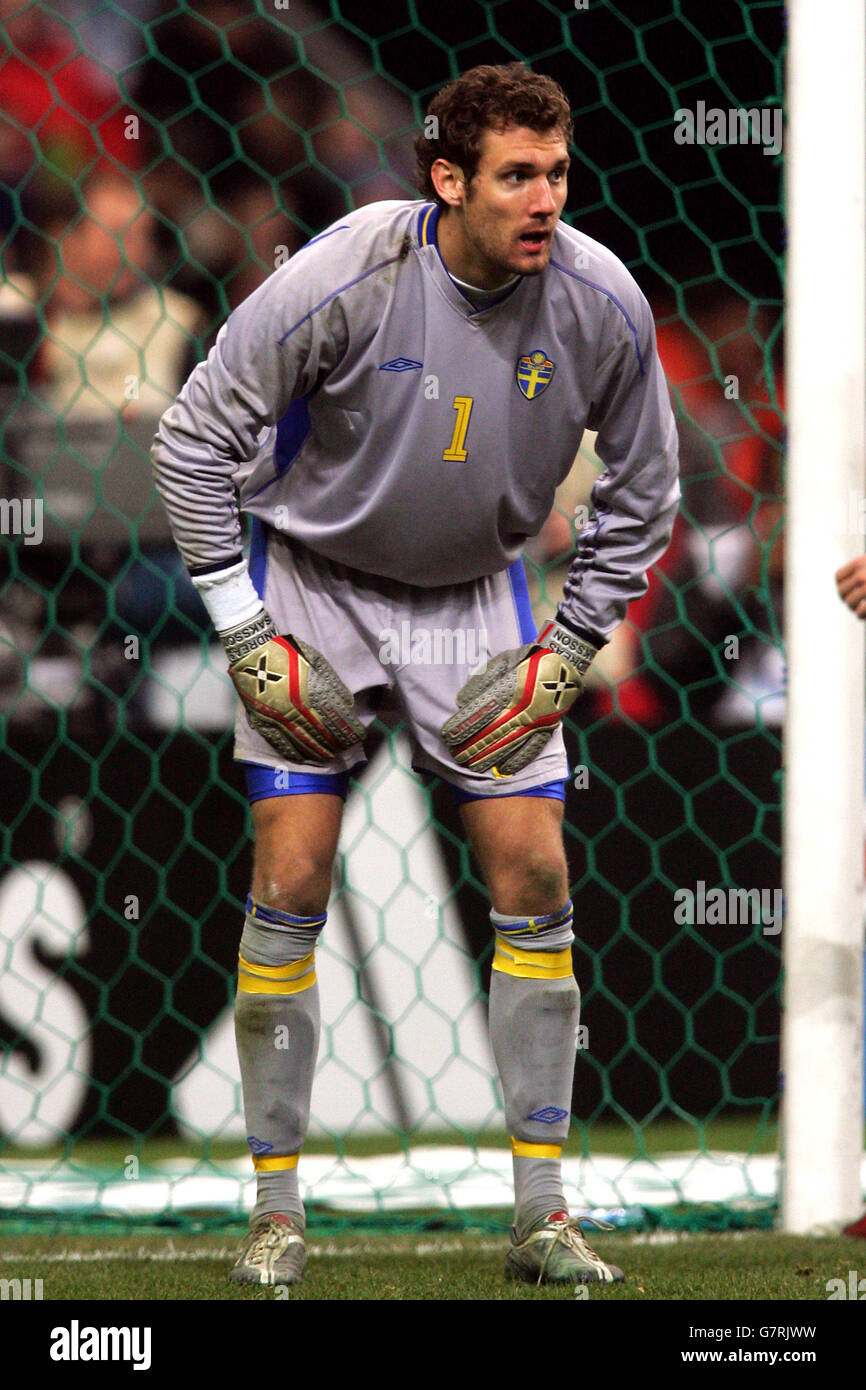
(502,223)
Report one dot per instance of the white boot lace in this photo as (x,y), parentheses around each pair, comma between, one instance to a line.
(568,1233)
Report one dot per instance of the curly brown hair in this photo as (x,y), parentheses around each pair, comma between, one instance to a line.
(486,98)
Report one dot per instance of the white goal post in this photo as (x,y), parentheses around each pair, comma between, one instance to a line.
(822,1037)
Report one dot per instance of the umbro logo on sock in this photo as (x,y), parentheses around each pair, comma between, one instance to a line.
(258,1146)
(549,1115)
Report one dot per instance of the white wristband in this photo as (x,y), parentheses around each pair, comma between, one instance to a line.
(229,596)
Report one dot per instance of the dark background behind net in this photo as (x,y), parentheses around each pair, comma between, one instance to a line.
(683,1020)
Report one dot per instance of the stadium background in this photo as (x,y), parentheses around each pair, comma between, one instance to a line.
(125,829)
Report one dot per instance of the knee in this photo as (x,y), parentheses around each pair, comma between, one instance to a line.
(295,846)
(533,881)
(300,885)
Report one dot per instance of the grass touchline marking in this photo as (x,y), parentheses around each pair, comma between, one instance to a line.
(169,1255)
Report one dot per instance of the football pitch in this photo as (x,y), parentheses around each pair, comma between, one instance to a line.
(712,1253)
(434,1266)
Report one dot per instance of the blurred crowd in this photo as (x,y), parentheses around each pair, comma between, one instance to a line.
(147,188)
(156,165)
(705,640)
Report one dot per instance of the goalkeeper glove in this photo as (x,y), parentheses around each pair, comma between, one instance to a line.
(509,710)
(292,695)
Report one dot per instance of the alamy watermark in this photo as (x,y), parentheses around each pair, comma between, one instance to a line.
(20,1289)
(736,125)
(436,646)
(744,907)
(22,517)
(849,514)
(855,1288)
(77,1343)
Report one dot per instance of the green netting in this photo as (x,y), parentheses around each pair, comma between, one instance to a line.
(158,161)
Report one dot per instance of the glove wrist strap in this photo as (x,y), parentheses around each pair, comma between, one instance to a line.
(239,641)
(567,644)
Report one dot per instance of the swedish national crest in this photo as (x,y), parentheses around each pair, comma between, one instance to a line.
(534,373)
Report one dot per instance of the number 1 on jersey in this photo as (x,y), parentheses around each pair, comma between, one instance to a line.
(456,451)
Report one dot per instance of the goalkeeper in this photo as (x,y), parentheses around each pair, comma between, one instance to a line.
(394,409)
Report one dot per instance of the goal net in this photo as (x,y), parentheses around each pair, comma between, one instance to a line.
(159,161)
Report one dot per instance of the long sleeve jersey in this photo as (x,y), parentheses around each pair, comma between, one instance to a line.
(361,404)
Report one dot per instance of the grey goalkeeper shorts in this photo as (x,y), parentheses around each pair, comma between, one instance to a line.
(409,646)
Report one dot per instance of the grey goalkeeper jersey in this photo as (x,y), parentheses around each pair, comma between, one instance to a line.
(359,403)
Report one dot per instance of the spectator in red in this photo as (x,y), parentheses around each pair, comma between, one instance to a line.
(56,105)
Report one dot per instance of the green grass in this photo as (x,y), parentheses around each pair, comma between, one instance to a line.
(752,1132)
(463,1266)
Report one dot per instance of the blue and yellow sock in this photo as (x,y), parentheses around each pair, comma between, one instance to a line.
(534,1016)
(277,1025)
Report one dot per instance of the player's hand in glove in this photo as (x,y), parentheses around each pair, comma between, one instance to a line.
(509,710)
(292,695)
